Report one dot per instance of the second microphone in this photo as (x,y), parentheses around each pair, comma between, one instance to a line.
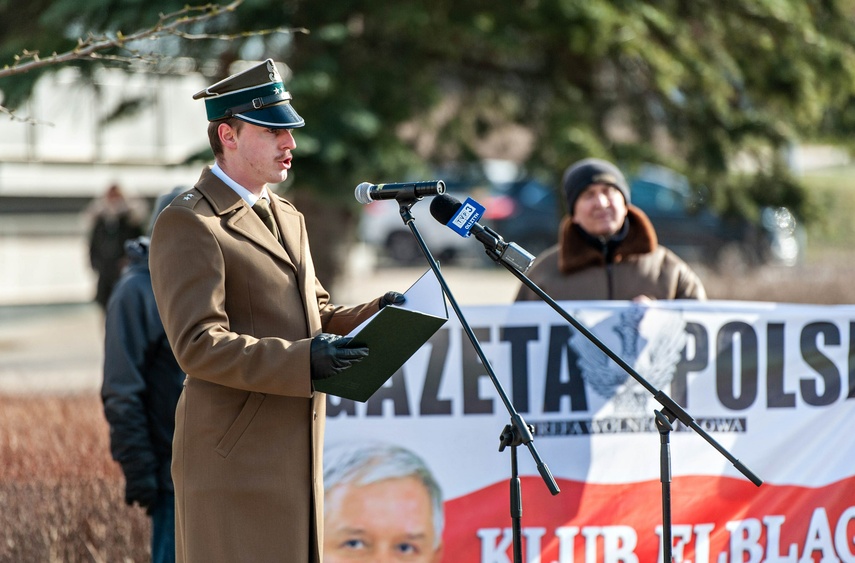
(367,192)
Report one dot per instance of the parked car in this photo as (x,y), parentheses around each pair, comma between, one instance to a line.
(525,211)
(382,227)
(699,235)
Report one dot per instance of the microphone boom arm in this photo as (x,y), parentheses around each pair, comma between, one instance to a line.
(509,253)
(671,408)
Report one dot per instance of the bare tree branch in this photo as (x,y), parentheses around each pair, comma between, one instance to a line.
(29,120)
(241,35)
(92,47)
(87,47)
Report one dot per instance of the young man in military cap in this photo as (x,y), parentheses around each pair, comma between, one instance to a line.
(607,248)
(252,327)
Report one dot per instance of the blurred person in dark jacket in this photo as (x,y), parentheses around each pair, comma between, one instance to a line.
(607,248)
(115,220)
(142,383)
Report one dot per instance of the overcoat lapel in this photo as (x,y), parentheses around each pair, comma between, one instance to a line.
(226,202)
(293,229)
(245,221)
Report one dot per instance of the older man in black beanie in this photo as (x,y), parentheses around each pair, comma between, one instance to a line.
(607,248)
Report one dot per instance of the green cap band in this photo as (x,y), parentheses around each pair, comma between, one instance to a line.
(250,99)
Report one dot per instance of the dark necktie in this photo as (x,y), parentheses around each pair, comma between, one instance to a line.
(262,209)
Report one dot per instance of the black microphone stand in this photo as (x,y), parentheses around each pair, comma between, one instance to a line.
(664,418)
(514,434)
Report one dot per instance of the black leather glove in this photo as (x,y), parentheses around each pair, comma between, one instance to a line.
(329,355)
(142,490)
(392,298)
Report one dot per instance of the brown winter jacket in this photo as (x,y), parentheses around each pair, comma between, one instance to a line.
(576,270)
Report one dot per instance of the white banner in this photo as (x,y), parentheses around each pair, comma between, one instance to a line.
(774,385)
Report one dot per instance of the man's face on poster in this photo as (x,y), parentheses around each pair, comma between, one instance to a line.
(384,522)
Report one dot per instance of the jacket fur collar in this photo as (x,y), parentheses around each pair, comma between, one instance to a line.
(574,253)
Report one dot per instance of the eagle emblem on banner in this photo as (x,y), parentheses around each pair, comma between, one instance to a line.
(649,340)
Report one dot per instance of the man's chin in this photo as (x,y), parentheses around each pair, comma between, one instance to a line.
(278,178)
(604,232)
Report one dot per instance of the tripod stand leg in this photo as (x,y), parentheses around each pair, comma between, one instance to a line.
(663,424)
(511,438)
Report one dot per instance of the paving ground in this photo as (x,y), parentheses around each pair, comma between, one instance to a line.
(57,348)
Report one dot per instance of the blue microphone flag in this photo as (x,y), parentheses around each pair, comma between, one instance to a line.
(466,217)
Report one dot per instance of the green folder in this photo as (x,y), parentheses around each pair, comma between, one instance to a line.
(393,335)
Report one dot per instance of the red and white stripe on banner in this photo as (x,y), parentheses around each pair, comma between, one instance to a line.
(774,384)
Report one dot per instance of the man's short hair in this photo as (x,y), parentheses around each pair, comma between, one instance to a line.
(214,136)
(365,463)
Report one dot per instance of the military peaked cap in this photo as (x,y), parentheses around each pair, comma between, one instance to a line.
(256,95)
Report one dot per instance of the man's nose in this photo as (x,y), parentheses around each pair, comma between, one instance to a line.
(603,200)
(385,556)
(286,140)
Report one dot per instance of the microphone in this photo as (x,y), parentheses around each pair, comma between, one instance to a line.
(462,218)
(366,193)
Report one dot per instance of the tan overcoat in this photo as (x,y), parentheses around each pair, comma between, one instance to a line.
(240,310)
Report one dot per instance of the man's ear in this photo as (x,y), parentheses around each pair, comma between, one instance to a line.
(437,555)
(228,135)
